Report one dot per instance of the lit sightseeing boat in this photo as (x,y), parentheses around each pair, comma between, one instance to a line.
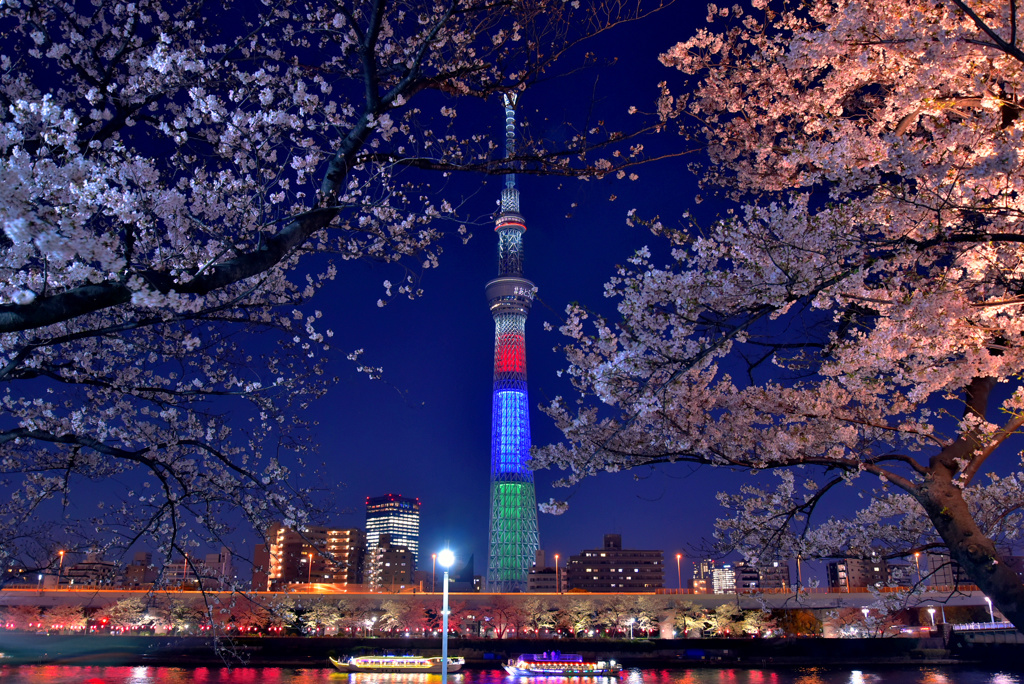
(559,664)
(391,663)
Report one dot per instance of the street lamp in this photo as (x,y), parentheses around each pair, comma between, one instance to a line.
(309,572)
(446,558)
(558,577)
(679,572)
(931,614)
(60,567)
(631,621)
(991,615)
(917,564)
(865,611)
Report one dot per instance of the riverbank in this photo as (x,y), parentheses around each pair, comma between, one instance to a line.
(306,652)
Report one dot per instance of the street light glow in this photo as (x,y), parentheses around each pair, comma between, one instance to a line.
(445,557)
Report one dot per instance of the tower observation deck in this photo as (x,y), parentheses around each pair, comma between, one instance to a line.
(513,538)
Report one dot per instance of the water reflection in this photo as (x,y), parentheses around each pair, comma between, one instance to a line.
(54,674)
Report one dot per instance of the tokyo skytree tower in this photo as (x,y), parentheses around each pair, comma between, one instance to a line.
(513,530)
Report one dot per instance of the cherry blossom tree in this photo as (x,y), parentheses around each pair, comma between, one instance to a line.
(177,176)
(857,312)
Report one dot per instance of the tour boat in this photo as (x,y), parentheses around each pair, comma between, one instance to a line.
(555,663)
(390,663)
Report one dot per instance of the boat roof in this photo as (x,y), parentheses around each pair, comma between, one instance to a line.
(553,656)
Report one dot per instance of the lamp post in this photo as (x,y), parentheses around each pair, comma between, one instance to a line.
(917,564)
(991,615)
(60,567)
(446,558)
(558,577)
(433,570)
(679,572)
(309,572)
(931,614)
(865,611)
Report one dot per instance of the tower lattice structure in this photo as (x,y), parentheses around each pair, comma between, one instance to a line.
(513,538)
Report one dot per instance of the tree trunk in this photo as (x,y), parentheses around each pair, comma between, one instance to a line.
(944,503)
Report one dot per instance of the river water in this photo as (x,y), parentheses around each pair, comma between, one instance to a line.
(60,674)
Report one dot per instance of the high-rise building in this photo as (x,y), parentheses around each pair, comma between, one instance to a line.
(212,571)
(544,578)
(310,554)
(389,566)
(723,579)
(702,576)
(615,569)
(141,572)
(847,573)
(93,571)
(397,516)
(943,571)
(753,578)
(748,577)
(513,537)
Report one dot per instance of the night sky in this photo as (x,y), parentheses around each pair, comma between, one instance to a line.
(425,430)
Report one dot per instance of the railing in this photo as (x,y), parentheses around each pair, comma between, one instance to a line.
(976,626)
(826,590)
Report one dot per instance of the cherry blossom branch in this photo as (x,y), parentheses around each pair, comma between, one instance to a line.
(1012,427)
(1009,48)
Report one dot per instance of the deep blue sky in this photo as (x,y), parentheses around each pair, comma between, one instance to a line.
(425,432)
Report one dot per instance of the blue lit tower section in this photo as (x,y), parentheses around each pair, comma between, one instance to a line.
(513,530)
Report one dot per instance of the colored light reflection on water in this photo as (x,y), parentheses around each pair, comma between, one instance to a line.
(60,674)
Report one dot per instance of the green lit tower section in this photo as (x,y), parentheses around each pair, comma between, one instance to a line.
(513,539)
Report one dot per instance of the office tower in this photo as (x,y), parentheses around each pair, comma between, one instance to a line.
(397,516)
(513,538)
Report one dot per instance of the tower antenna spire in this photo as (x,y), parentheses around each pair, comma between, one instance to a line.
(513,538)
(510,195)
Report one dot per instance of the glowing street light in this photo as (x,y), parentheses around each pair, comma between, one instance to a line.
(865,611)
(445,558)
(60,567)
(558,577)
(917,563)
(631,621)
(991,615)
(309,572)
(679,572)
(931,614)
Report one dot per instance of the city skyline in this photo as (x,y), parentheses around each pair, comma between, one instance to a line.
(423,429)
(434,397)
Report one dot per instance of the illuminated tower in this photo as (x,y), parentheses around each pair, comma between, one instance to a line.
(513,530)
